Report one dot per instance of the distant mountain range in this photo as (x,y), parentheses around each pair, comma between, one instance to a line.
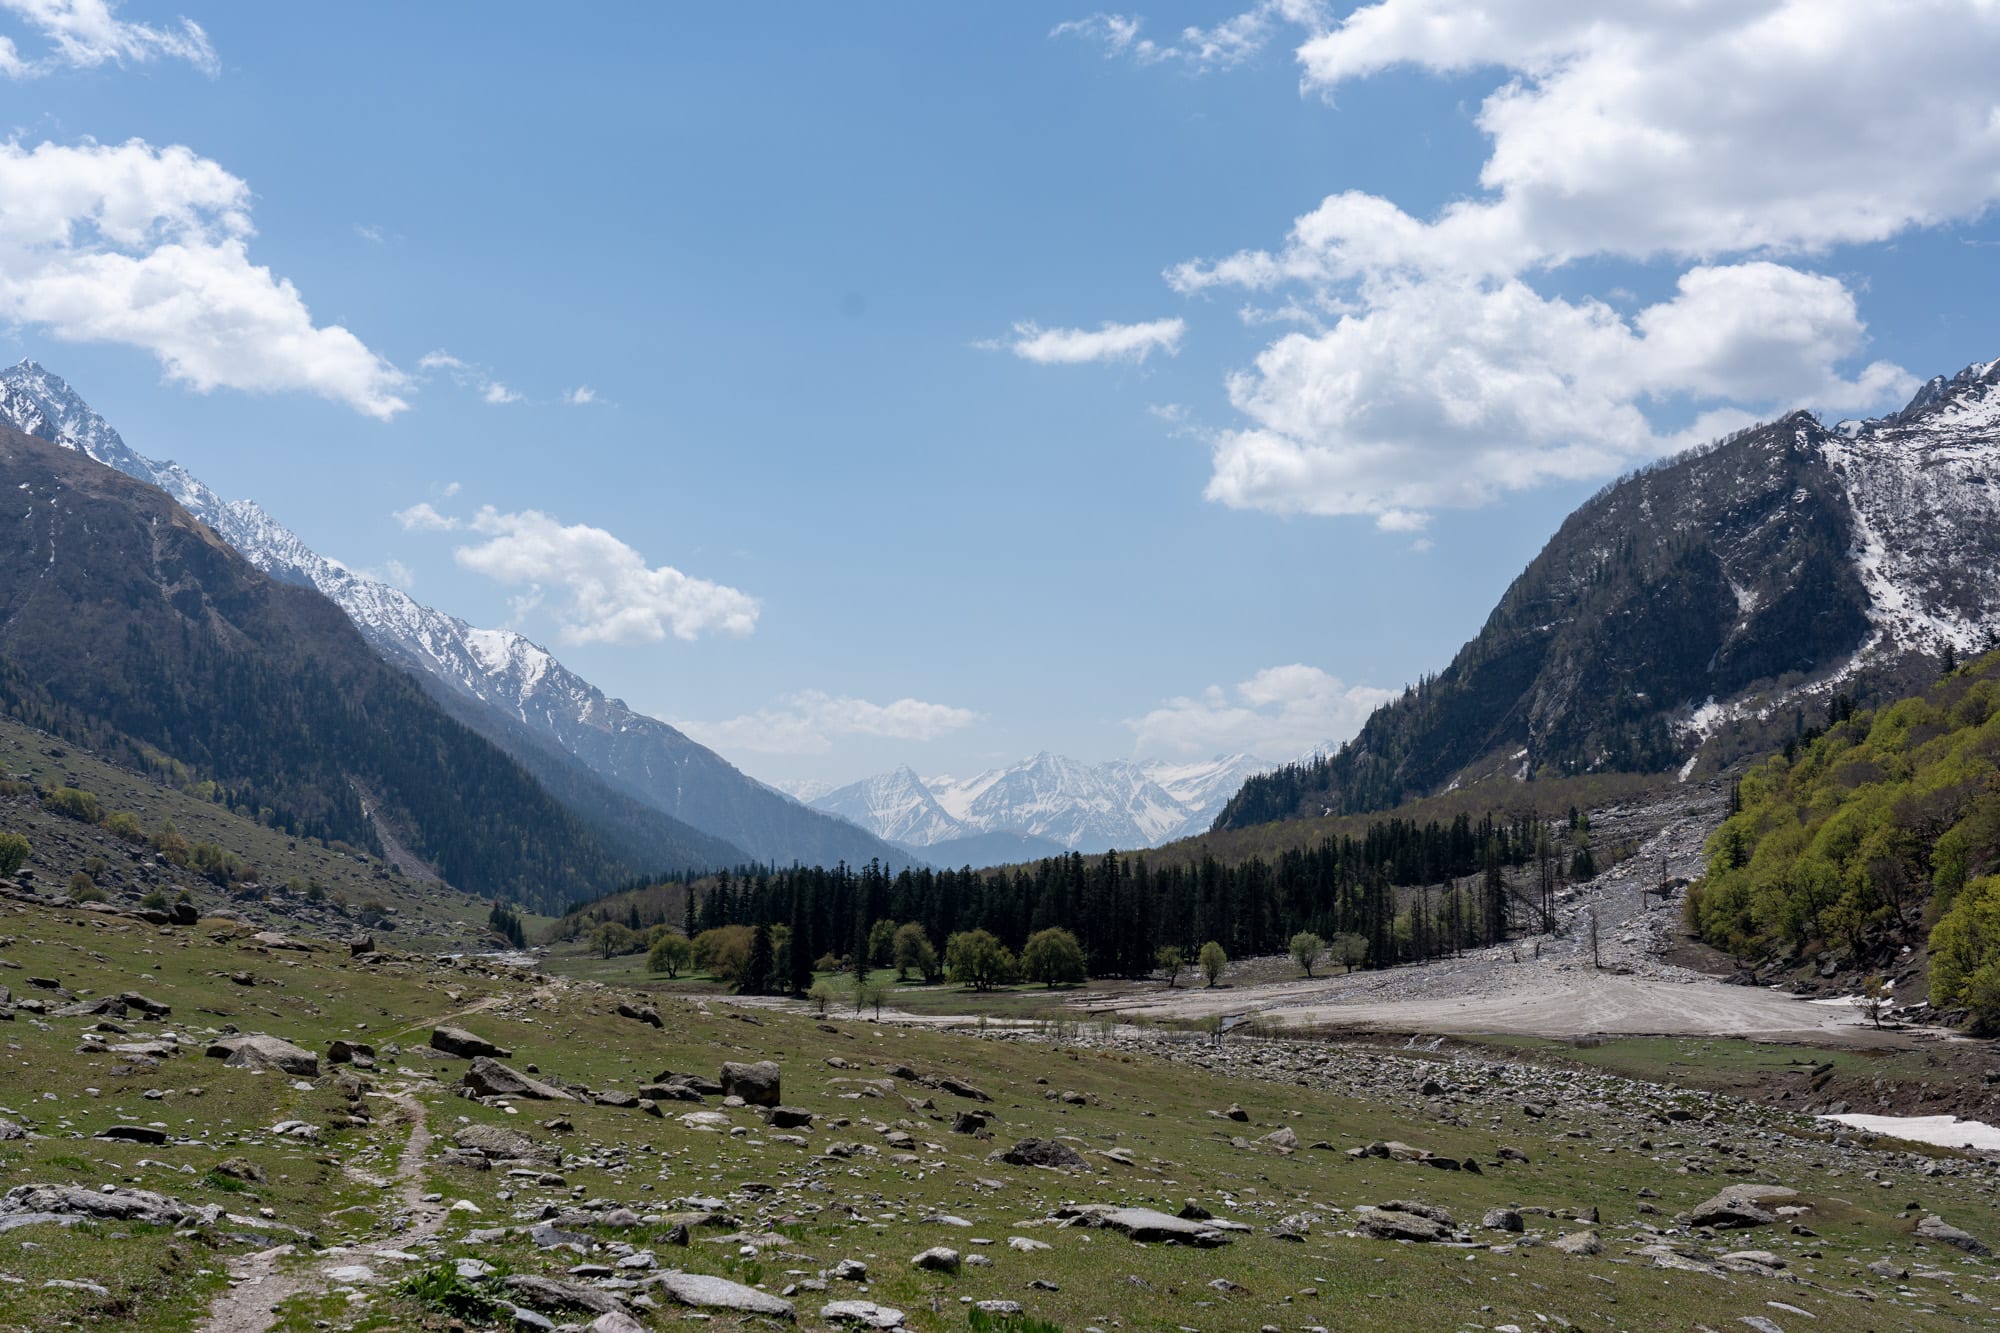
(605,761)
(1040,806)
(1705,608)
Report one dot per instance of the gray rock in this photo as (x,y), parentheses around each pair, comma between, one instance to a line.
(1501,1219)
(937,1259)
(716,1293)
(1147,1225)
(1578,1242)
(459,1042)
(861,1314)
(112,1205)
(546,1293)
(132,999)
(1936,1228)
(1283,1139)
(616,1321)
(1041,1152)
(643,1013)
(133,1134)
(1388,1223)
(10,1131)
(506,1145)
(1737,1206)
(757,1084)
(260,1052)
(340,1051)
(490,1078)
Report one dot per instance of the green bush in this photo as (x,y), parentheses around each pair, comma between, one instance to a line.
(124,824)
(75,803)
(14,851)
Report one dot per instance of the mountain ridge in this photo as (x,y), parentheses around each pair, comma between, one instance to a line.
(503,685)
(1701,607)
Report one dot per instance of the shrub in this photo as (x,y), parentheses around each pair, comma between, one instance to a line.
(1305,949)
(75,803)
(124,824)
(978,959)
(1212,962)
(14,851)
(913,949)
(1171,961)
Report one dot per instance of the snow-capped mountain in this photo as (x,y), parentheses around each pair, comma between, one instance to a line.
(499,683)
(1705,609)
(1083,807)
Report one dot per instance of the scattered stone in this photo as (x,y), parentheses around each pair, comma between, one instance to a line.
(937,1259)
(642,1013)
(1933,1227)
(489,1078)
(261,1052)
(1578,1243)
(466,1046)
(501,1144)
(1737,1206)
(1147,1224)
(960,1088)
(547,1293)
(716,1293)
(133,1134)
(757,1084)
(1501,1219)
(861,1314)
(1041,1152)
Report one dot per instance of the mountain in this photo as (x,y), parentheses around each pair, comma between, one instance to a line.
(1705,608)
(1056,803)
(127,624)
(575,739)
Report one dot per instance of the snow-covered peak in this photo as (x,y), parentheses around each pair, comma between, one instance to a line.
(1086,807)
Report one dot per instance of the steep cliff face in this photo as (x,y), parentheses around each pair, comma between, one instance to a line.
(1701,605)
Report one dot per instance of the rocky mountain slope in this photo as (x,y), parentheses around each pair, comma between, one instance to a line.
(565,730)
(1705,608)
(126,623)
(1049,799)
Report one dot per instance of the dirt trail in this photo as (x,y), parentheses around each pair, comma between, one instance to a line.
(261,1282)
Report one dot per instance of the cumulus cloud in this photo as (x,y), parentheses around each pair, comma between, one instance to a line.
(1107,342)
(581,396)
(1280,713)
(1223,46)
(149,248)
(599,589)
(810,721)
(1670,134)
(83,34)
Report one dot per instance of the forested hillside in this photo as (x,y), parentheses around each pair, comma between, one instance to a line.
(127,625)
(1876,833)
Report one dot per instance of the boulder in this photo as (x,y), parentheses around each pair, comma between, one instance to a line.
(466,1046)
(1282,1139)
(133,1134)
(716,1293)
(1579,1243)
(937,1259)
(642,1013)
(788,1117)
(1737,1206)
(757,1084)
(669,1092)
(861,1314)
(490,1078)
(969,1122)
(117,1204)
(1935,1228)
(1404,1219)
(342,1052)
(1148,1225)
(1041,1152)
(701,1087)
(550,1294)
(959,1088)
(1501,1219)
(260,1052)
(506,1145)
(132,999)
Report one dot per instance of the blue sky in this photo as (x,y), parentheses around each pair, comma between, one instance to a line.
(937,384)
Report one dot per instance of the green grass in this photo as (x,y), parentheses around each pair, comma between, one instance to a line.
(879,1208)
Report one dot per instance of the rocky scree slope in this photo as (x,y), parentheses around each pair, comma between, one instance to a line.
(1703,609)
(565,730)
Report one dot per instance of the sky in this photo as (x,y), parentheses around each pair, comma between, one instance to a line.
(854,386)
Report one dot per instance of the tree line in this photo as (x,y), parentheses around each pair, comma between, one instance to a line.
(1405,891)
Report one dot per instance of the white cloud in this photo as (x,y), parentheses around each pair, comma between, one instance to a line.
(1448,392)
(1280,713)
(424,517)
(1223,46)
(452,488)
(149,248)
(469,376)
(598,588)
(395,573)
(581,396)
(1735,137)
(810,721)
(88,33)
(1107,342)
